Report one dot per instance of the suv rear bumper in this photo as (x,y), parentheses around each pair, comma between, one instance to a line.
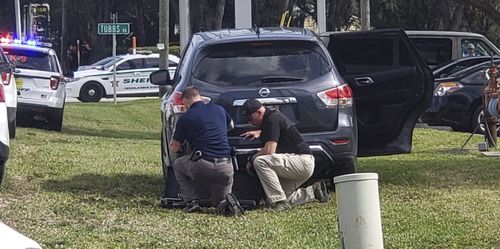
(30,110)
(331,159)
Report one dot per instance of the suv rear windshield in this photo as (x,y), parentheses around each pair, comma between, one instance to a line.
(34,60)
(261,62)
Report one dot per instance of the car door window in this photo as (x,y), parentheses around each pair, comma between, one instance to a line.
(155,63)
(131,64)
(479,47)
(434,51)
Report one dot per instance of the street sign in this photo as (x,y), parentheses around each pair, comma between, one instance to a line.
(113,28)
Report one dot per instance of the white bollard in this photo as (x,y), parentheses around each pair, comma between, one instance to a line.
(360,224)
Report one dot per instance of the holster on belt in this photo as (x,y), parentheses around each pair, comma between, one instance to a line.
(196,155)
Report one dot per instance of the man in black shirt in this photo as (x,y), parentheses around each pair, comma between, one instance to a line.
(285,162)
(205,127)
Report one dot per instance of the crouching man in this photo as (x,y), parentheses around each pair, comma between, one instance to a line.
(204,127)
(285,162)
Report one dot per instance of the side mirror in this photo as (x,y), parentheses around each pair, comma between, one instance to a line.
(160,78)
(70,74)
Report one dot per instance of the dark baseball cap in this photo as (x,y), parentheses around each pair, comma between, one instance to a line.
(250,106)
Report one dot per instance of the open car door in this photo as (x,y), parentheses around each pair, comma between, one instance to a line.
(392,86)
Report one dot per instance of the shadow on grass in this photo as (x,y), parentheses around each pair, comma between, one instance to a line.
(114,186)
(144,135)
(449,170)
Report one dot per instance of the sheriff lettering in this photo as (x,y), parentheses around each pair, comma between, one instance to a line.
(136,80)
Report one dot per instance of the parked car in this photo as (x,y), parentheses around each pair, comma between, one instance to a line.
(457,100)
(10,91)
(132,76)
(98,64)
(450,67)
(369,107)
(4,127)
(437,47)
(40,83)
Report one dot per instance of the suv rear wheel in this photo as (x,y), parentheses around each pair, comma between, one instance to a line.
(56,120)
(91,92)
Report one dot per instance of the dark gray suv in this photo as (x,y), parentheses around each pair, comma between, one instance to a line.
(368,105)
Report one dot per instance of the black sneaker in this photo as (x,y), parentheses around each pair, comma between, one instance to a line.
(321,191)
(279,206)
(233,206)
(192,207)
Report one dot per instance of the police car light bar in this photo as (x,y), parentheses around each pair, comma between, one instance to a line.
(30,42)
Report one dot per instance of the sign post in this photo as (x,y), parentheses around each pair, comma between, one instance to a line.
(114,29)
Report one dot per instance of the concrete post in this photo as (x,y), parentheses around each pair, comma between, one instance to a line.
(243,14)
(321,10)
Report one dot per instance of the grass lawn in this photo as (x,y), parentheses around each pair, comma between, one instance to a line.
(97,185)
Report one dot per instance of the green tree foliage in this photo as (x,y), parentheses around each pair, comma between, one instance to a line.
(481,16)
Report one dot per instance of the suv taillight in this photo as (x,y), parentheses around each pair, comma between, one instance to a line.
(54,82)
(338,96)
(6,78)
(177,104)
(2,95)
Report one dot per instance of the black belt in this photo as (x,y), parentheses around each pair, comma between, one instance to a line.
(216,160)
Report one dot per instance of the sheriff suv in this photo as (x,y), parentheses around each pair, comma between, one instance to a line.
(364,102)
(4,127)
(40,84)
(10,92)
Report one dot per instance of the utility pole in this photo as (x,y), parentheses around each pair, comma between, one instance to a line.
(184,23)
(63,42)
(17,8)
(321,15)
(365,14)
(164,39)
(114,18)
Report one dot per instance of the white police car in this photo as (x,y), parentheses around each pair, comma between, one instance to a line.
(4,133)
(132,76)
(40,83)
(10,91)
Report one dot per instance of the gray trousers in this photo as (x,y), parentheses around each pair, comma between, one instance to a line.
(194,175)
(282,174)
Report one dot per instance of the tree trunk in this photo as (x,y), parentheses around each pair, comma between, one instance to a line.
(485,6)
(219,10)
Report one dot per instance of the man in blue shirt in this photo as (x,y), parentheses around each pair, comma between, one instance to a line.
(204,127)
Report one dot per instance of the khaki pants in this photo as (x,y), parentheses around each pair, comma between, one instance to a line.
(282,174)
(193,175)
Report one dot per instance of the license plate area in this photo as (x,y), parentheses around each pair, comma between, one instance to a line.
(287,109)
(19,83)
